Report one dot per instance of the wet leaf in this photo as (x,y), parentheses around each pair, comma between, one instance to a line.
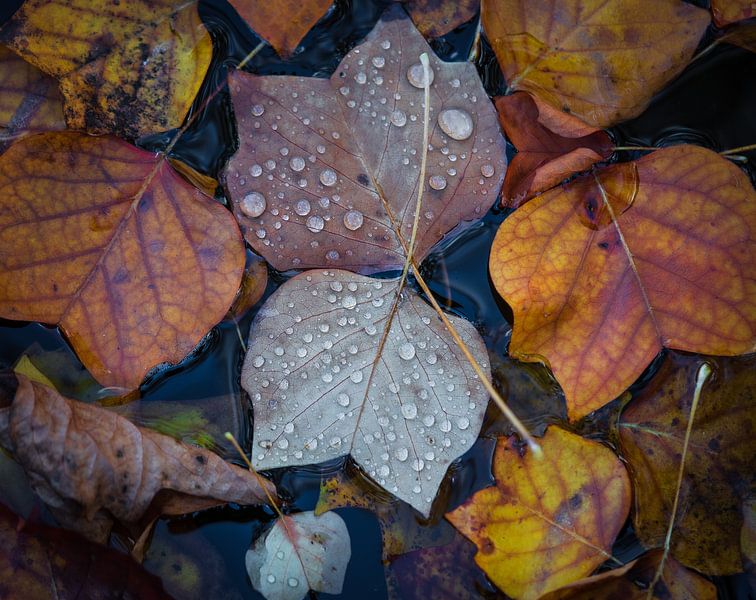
(129,68)
(91,466)
(301,552)
(600,60)
(718,477)
(548,521)
(597,293)
(327,170)
(133,263)
(741,34)
(322,385)
(551,146)
(435,18)
(632,581)
(254,282)
(726,12)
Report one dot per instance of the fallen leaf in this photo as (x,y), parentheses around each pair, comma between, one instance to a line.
(323,383)
(129,68)
(632,581)
(548,521)
(92,467)
(327,171)
(104,239)
(551,146)
(601,60)
(435,18)
(253,285)
(742,35)
(597,293)
(301,552)
(719,475)
(726,12)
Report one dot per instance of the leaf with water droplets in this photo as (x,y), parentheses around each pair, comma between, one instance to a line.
(327,171)
(324,384)
(301,552)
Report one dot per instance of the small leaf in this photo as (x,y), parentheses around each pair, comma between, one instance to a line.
(548,521)
(435,18)
(726,12)
(301,552)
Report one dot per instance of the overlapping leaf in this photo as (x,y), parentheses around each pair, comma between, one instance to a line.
(107,241)
(325,383)
(327,170)
(435,18)
(726,12)
(605,272)
(548,521)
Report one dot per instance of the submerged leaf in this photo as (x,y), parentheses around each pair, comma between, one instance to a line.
(323,385)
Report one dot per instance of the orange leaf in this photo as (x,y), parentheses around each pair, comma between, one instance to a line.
(726,12)
(597,293)
(602,60)
(107,241)
(435,18)
(545,155)
(548,521)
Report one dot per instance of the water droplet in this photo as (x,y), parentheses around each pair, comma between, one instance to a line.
(343,400)
(280,555)
(336,286)
(320,149)
(456,123)
(416,75)
(384,471)
(293,582)
(428,420)
(335,442)
(333,255)
(431,358)
(349,301)
(258,110)
(301,352)
(315,223)
(311,444)
(328,177)
(437,182)
(445,426)
(302,207)
(283,443)
(407,351)
(353,220)
(401,454)
(385,44)
(463,423)
(253,204)
(409,411)
(297,163)
(398,118)
(271,578)
(487,170)
(255,170)
(360,77)
(356,376)
(289,427)
(418,464)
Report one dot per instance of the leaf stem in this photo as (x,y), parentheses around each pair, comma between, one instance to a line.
(633,148)
(737,150)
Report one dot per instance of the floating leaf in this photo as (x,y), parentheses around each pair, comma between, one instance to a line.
(254,282)
(599,286)
(718,477)
(129,68)
(435,18)
(327,170)
(105,240)
(551,146)
(301,552)
(91,466)
(726,12)
(324,384)
(548,521)
(601,60)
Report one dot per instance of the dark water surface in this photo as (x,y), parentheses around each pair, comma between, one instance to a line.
(710,104)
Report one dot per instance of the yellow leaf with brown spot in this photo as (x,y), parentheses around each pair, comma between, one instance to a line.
(129,68)
(604,272)
(107,241)
(548,521)
(602,60)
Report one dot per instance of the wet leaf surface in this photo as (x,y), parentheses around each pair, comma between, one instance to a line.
(597,293)
(599,60)
(718,477)
(104,239)
(726,12)
(129,68)
(435,18)
(548,521)
(327,170)
(253,284)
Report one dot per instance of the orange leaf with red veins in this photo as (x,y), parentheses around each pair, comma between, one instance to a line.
(435,18)
(551,146)
(600,60)
(549,520)
(726,12)
(107,241)
(608,270)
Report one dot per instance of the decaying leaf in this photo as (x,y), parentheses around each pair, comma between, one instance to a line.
(92,467)
(726,12)
(129,68)
(435,18)
(107,241)
(603,273)
(301,552)
(718,480)
(323,386)
(327,170)
(551,146)
(548,521)
(601,60)
(254,282)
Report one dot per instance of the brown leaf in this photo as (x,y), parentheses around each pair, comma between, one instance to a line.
(719,469)
(435,18)
(551,146)
(92,467)
(254,282)
(742,35)
(726,12)
(107,241)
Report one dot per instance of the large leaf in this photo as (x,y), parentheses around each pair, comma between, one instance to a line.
(129,68)
(602,60)
(548,521)
(327,170)
(324,385)
(107,241)
(605,272)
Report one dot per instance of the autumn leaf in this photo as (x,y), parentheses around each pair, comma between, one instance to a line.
(548,521)
(253,284)
(601,60)
(608,270)
(104,239)
(129,68)
(435,18)
(551,146)
(327,170)
(726,12)
(718,479)
(92,467)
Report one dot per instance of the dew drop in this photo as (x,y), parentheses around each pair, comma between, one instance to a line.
(320,149)
(328,177)
(271,578)
(258,110)
(289,427)
(356,376)
(456,123)
(343,400)
(301,352)
(293,582)
(259,361)
(431,358)
(302,207)
(409,411)
(255,170)
(416,75)
(384,471)
(360,77)
(349,301)
(407,351)
(283,443)
(378,62)
(418,464)
(401,454)
(445,426)
(315,223)
(437,182)
(333,255)
(297,163)
(253,204)
(353,220)
(385,44)
(487,170)
(398,118)
(428,420)
(463,423)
